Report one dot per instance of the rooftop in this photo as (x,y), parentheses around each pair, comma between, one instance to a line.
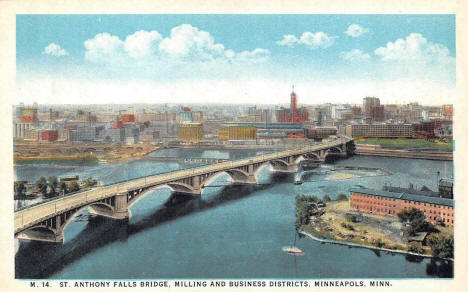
(405,196)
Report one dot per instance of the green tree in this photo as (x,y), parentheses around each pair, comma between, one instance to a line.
(416,220)
(41,185)
(20,188)
(53,183)
(74,187)
(326,198)
(63,188)
(441,246)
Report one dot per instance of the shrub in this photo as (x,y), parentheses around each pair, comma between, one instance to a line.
(348,226)
(415,247)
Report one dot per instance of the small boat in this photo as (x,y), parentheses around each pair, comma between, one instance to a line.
(293,250)
(298,182)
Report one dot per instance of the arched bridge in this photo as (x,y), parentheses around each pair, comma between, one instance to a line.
(47,221)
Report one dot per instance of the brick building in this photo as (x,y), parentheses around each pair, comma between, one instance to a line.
(293,114)
(49,135)
(435,209)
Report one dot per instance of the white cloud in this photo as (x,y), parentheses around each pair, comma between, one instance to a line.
(288,40)
(257,55)
(55,50)
(309,39)
(355,30)
(354,55)
(316,40)
(142,43)
(104,47)
(185,43)
(415,48)
(189,42)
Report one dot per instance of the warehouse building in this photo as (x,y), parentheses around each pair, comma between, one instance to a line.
(379,202)
(380,131)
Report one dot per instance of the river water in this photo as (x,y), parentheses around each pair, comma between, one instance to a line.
(230,232)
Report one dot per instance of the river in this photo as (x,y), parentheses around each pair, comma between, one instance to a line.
(230,232)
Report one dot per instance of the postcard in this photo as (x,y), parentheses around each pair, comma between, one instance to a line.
(227,148)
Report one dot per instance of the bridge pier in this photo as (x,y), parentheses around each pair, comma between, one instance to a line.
(121,207)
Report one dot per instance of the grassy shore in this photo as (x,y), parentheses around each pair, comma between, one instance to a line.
(372,230)
(401,143)
(89,158)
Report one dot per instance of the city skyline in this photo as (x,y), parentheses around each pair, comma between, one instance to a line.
(79,59)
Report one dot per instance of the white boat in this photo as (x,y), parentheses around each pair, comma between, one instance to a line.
(293,250)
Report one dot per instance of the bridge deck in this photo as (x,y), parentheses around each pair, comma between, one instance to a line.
(30,216)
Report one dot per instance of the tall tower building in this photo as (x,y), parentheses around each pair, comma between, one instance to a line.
(293,106)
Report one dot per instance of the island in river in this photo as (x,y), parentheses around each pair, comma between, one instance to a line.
(334,222)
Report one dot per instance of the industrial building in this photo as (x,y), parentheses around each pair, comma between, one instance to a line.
(320,132)
(20,129)
(190,132)
(391,203)
(380,131)
(228,132)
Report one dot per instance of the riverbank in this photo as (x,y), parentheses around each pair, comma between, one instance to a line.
(377,151)
(357,245)
(335,224)
(93,154)
(87,159)
(126,153)
(407,144)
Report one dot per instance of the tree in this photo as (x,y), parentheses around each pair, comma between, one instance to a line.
(416,220)
(74,187)
(20,188)
(342,197)
(441,246)
(53,183)
(63,188)
(41,185)
(326,198)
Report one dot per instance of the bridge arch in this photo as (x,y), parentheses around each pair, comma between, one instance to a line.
(147,191)
(213,177)
(90,149)
(39,231)
(262,166)
(335,150)
(312,154)
(104,206)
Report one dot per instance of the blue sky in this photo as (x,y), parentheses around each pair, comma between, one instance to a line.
(239,58)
